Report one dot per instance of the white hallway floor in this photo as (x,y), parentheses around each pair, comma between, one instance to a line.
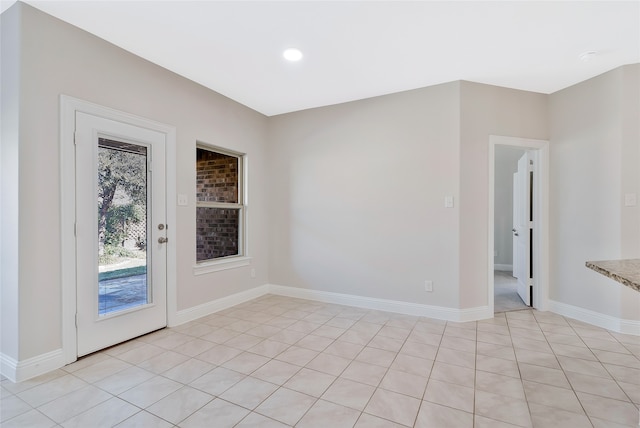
(278,362)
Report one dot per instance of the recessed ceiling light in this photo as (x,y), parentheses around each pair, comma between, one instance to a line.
(292,54)
(587,56)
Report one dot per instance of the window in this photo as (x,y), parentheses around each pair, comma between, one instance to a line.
(220,207)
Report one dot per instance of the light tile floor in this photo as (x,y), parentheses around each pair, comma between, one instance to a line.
(278,362)
(505,293)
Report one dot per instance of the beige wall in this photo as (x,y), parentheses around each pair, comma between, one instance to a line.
(10,26)
(487,110)
(60,59)
(595,141)
(358,197)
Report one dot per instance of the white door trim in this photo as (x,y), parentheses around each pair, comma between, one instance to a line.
(68,108)
(540,150)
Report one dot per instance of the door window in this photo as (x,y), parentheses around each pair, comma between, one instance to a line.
(122,226)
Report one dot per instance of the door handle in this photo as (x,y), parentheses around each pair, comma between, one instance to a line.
(516,234)
(162,240)
(513,230)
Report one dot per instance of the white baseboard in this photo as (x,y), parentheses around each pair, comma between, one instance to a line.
(505,268)
(213,306)
(416,309)
(601,320)
(18,371)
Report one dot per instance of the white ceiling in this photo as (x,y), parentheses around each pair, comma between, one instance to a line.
(355,50)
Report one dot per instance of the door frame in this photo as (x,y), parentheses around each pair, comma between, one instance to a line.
(68,108)
(540,153)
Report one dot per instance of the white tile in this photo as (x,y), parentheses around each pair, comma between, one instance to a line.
(98,371)
(148,392)
(126,379)
(249,392)
(144,419)
(277,372)
(10,407)
(393,406)
(163,362)
(498,384)
(219,412)
(324,414)
(552,396)
(217,381)
(349,393)
(369,421)
(256,420)
(70,405)
(180,404)
(553,416)
(364,373)
(502,408)
(31,419)
(188,371)
(404,383)
(106,414)
(450,395)
(621,412)
(49,391)
(15,388)
(286,406)
(310,382)
(435,415)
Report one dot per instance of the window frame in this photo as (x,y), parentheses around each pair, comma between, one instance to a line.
(242,258)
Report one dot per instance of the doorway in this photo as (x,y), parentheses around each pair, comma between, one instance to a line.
(508,212)
(117,253)
(518,224)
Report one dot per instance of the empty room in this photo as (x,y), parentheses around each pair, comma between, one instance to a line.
(320,213)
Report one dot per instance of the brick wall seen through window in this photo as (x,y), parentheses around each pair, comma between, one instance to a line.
(219,208)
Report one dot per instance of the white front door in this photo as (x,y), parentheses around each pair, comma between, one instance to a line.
(121,246)
(523,227)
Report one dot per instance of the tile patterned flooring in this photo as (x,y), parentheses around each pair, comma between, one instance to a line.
(505,293)
(282,362)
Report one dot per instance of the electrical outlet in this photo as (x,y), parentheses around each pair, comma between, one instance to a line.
(253,273)
(428,285)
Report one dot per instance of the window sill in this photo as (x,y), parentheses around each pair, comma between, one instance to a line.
(223,264)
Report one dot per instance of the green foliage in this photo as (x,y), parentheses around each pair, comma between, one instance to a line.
(114,253)
(117,219)
(118,168)
(122,273)
(127,172)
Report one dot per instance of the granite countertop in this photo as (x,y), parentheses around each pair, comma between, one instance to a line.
(626,272)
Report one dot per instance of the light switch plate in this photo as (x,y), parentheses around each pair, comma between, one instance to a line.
(448,201)
(630,200)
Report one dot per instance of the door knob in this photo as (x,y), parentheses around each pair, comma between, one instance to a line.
(162,240)
(516,234)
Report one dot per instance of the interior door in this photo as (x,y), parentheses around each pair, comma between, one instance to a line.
(523,227)
(516,214)
(120,232)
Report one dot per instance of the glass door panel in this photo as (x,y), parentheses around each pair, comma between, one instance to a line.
(123,263)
